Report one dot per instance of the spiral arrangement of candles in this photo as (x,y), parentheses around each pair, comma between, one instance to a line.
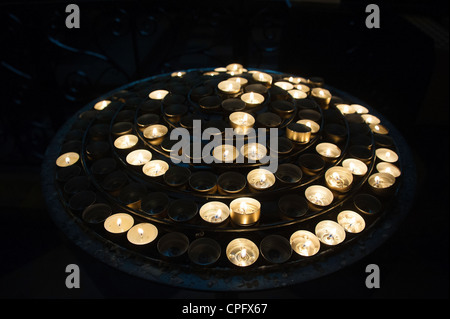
(332,156)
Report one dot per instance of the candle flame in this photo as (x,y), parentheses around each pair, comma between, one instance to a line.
(243,253)
(157,168)
(377,180)
(328,152)
(140,231)
(308,124)
(243,206)
(244,119)
(67,160)
(262,178)
(155,131)
(140,158)
(119,221)
(252,97)
(218,213)
(126,140)
(336,175)
(377,127)
(388,154)
(352,167)
(321,93)
(225,154)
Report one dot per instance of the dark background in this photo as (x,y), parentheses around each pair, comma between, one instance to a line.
(49,72)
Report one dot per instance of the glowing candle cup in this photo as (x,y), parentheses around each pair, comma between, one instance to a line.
(245,211)
(155,168)
(155,133)
(381,183)
(388,168)
(330,232)
(328,150)
(304,243)
(139,157)
(158,94)
(142,234)
(126,141)
(119,223)
(252,99)
(339,178)
(386,155)
(224,153)
(67,159)
(351,221)
(357,167)
(214,212)
(311,124)
(254,151)
(241,122)
(242,252)
(319,195)
(260,179)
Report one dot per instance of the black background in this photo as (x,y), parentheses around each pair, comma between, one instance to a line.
(49,72)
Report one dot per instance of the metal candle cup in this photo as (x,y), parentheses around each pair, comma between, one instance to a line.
(126,141)
(241,122)
(155,168)
(339,178)
(319,195)
(67,159)
(142,234)
(260,179)
(330,232)
(139,157)
(245,211)
(252,99)
(118,223)
(299,133)
(351,221)
(214,212)
(321,96)
(225,153)
(155,133)
(304,243)
(242,252)
(381,183)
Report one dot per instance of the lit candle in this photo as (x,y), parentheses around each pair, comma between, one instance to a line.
(319,195)
(339,178)
(139,157)
(303,88)
(295,79)
(388,168)
(142,234)
(155,168)
(330,232)
(381,180)
(262,77)
(214,212)
(118,223)
(229,87)
(284,85)
(241,122)
(297,94)
(355,166)
(245,211)
(126,141)
(370,119)
(211,73)
(351,221)
(379,129)
(359,108)
(252,99)
(224,153)
(321,96)
(304,243)
(328,150)
(242,252)
(158,94)
(155,131)
(254,151)
(236,68)
(241,81)
(178,74)
(345,108)
(67,159)
(101,105)
(311,124)
(260,179)
(386,155)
